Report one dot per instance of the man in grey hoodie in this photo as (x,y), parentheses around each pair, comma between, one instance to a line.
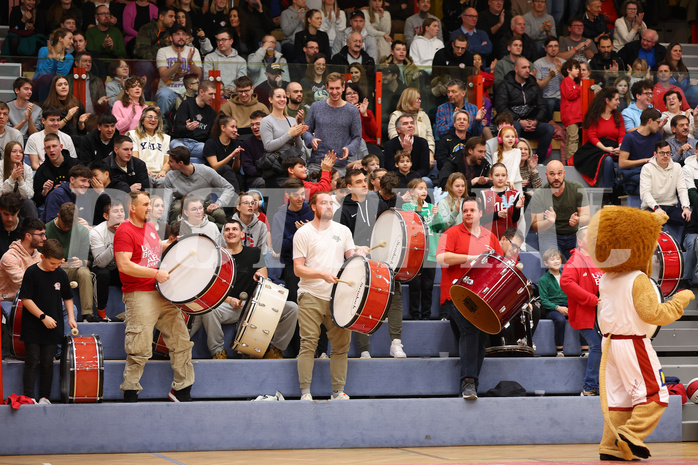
(226,60)
(255,231)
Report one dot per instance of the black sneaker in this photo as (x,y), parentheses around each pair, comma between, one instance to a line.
(183,395)
(469,391)
(131,396)
(92,318)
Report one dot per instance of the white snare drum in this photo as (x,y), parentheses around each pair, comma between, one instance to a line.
(260,318)
(201,274)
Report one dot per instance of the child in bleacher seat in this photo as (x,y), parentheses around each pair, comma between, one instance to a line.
(403,163)
(501,206)
(369,164)
(552,299)
(571,104)
(45,286)
(509,155)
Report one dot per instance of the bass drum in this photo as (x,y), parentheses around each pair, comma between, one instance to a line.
(667,264)
(14,322)
(515,339)
(406,239)
(82,370)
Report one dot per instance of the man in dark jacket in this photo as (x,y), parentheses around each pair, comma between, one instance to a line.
(253,149)
(418,147)
(98,144)
(472,163)
(607,64)
(520,95)
(456,54)
(517,29)
(647,48)
(286,222)
(354,49)
(123,167)
(453,142)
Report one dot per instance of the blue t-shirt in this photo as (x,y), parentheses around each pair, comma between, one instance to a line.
(639,146)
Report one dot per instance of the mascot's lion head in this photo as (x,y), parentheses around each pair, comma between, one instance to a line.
(622,239)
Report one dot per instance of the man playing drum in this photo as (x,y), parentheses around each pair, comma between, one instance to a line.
(458,246)
(319,250)
(246,273)
(137,252)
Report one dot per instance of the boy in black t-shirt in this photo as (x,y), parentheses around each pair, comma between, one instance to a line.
(43,287)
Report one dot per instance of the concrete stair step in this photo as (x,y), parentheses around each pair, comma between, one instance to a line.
(13,70)
(411,377)
(198,426)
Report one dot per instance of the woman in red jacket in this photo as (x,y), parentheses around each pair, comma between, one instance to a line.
(369,127)
(580,282)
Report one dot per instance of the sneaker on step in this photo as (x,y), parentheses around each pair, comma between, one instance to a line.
(585,354)
(469,392)
(323,356)
(92,318)
(220,355)
(341,396)
(366,354)
(44,400)
(183,395)
(396,349)
(306,397)
(593,392)
(560,354)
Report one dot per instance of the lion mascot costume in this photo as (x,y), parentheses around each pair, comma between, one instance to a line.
(622,241)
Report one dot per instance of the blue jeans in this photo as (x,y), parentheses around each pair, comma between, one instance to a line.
(549,240)
(591,377)
(559,322)
(607,174)
(553,104)
(167,99)
(543,132)
(471,345)
(196,148)
(631,179)
(691,93)
(556,9)
(689,245)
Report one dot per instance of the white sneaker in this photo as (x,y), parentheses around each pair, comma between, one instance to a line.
(306,397)
(44,400)
(365,354)
(323,356)
(560,354)
(396,349)
(340,396)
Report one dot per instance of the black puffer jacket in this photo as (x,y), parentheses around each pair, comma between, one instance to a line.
(524,101)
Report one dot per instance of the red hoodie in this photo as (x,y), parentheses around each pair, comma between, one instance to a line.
(580,281)
(570,102)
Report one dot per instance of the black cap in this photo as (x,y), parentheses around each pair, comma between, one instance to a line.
(356,13)
(274,68)
(177,27)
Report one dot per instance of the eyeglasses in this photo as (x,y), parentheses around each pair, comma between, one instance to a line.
(250,203)
(223,40)
(151,117)
(649,94)
(469,16)
(196,209)
(41,234)
(244,91)
(513,246)
(665,154)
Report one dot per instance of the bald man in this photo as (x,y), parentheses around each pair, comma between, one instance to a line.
(558,209)
(648,48)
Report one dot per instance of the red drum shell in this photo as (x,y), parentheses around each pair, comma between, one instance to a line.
(82,370)
(490,292)
(405,258)
(667,264)
(15,324)
(217,288)
(370,306)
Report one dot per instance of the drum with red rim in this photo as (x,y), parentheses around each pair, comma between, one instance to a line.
(201,274)
(82,370)
(667,264)
(491,292)
(406,241)
(15,324)
(363,304)
(159,347)
(516,337)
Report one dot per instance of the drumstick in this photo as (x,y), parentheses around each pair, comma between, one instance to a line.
(243,296)
(380,244)
(73,284)
(74,331)
(348,283)
(192,252)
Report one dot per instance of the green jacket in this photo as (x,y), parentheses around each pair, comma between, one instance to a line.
(551,295)
(434,225)
(95,37)
(78,246)
(149,40)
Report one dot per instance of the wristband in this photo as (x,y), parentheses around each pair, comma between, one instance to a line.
(42,317)
(156,274)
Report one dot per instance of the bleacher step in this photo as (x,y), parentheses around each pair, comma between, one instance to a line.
(411,377)
(199,426)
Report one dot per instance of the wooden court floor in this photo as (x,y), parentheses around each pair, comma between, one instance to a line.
(665,454)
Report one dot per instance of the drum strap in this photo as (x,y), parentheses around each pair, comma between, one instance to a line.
(624,336)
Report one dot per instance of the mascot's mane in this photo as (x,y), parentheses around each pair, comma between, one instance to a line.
(613,249)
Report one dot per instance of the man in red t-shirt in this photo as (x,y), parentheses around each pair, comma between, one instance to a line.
(458,246)
(137,252)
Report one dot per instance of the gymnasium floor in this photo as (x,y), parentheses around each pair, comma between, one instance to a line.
(665,454)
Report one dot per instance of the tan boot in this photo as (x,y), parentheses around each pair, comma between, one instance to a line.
(273,353)
(641,423)
(221,355)
(607,447)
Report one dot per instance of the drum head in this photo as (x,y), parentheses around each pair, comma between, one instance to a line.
(475,310)
(347,299)
(200,261)
(389,228)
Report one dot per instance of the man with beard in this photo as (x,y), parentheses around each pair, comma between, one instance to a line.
(274,80)
(606,63)
(558,209)
(175,62)
(319,250)
(295,106)
(22,254)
